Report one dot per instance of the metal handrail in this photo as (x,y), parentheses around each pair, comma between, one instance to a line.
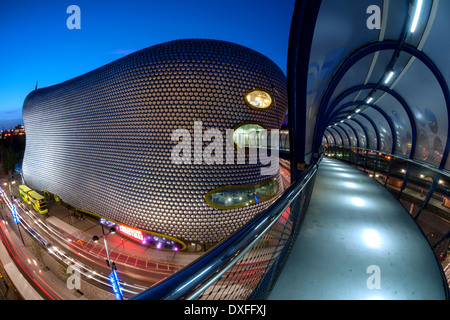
(193,279)
(413,161)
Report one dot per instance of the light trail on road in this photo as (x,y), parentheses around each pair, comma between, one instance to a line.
(58,253)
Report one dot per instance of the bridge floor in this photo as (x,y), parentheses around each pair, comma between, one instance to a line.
(358,242)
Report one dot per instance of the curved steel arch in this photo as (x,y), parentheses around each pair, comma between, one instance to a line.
(389,91)
(339,134)
(363,129)
(299,49)
(369,49)
(332,135)
(334,138)
(386,117)
(346,133)
(375,128)
(354,132)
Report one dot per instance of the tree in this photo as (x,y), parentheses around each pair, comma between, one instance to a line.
(9,160)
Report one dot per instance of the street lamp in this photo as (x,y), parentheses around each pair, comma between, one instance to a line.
(113,276)
(96,239)
(9,184)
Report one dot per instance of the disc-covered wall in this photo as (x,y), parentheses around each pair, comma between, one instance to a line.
(102,141)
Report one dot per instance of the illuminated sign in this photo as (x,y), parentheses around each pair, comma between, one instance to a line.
(145,238)
(114,279)
(133,233)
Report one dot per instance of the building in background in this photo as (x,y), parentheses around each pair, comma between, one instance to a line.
(102,141)
(12,148)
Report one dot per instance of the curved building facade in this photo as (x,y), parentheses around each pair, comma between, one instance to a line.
(103,141)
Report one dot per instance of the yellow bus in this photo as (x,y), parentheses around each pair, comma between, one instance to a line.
(38,202)
(24,190)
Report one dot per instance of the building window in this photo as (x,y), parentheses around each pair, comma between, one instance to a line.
(258,99)
(238,196)
(247,135)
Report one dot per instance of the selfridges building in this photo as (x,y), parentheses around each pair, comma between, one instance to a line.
(105,141)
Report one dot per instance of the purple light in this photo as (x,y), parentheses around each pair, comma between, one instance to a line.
(158,246)
(176,249)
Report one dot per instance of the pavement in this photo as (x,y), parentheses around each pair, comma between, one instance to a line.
(74,235)
(126,250)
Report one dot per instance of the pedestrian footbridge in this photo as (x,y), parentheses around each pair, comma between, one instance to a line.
(367,85)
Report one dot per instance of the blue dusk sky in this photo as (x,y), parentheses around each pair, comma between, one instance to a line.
(37,45)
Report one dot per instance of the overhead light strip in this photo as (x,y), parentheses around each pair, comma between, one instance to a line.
(430,22)
(416,15)
(389,77)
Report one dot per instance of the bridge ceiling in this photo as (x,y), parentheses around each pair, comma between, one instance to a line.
(394,77)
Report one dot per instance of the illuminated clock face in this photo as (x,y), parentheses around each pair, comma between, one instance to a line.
(258,99)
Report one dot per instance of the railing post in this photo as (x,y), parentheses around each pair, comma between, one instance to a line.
(405,180)
(429,194)
(357,158)
(388,175)
(446,236)
(376,165)
(365,161)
